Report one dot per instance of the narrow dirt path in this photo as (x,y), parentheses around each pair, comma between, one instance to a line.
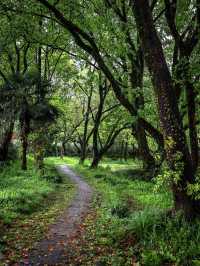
(54,249)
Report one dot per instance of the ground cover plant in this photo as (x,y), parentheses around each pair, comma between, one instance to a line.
(131,221)
(29,206)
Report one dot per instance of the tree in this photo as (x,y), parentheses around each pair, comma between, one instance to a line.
(100,148)
(178,155)
(87,42)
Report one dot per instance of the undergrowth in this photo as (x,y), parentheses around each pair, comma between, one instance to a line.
(30,202)
(21,192)
(132,225)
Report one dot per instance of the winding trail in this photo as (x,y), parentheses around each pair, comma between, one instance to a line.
(54,249)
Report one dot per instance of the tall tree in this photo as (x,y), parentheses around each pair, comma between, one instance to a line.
(178,155)
(87,42)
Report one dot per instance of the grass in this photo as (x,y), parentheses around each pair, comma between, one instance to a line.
(131,223)
(21,192)
(29,204)
(128,225)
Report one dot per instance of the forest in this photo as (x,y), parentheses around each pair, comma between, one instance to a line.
(100,132)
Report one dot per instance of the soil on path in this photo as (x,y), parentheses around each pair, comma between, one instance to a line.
(55,248)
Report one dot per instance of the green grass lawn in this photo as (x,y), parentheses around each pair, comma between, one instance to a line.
(132,222)
(30,202)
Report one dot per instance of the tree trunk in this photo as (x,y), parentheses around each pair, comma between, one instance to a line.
(125,151)
(25,129)
(61,152)
(95,138)
(64,148)
(136,78)
(83,156)
(143,148)
(4,145)
(122,150)
(85,133)
(39,151)
(103,90)
(183,80)
(83,146)
(81,37)
(24,152)
(96,153)
(178,156)
(95,161)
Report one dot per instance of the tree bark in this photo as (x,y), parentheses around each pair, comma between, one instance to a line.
(85,139)
(136,78)
(6,139)
(95,161)
(25,129)
(97,121)
(143,149)
(24,152)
